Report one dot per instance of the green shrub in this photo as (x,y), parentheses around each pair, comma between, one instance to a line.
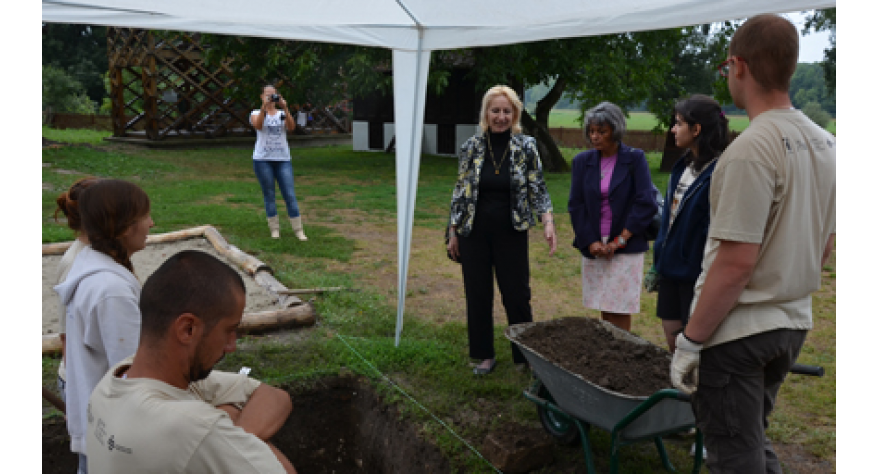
(63,93)
(817,114)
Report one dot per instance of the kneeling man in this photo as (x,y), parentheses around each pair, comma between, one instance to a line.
(165,410)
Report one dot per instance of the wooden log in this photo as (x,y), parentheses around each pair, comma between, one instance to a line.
(301,315)
(184,234)
(59,248)
(54,400)
(51,344)
(247,262)
(310,291)
(266,280)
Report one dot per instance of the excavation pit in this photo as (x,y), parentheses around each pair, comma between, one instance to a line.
(339,425)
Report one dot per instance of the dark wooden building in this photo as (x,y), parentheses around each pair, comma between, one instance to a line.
(450,118)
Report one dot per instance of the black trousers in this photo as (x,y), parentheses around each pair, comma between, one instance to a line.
(494,247)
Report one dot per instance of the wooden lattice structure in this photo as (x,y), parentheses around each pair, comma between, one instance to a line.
(161,87)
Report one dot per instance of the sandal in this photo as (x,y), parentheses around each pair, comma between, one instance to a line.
(485,370)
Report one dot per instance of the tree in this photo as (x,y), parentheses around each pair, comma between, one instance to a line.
(808,85)
(79,50)
(626,68)
(63,93)
(826,20)
(816,114)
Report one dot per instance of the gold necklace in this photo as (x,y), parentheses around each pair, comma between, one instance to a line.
(492,155)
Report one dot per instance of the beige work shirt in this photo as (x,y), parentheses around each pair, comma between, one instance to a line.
(775,185)
(147,426)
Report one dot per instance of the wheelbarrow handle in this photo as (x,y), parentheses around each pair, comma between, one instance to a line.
(814,370)
(800,369)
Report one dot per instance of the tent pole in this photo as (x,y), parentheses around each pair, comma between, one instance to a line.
(408,155)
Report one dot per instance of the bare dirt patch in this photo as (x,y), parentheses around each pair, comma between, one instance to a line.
(145,263)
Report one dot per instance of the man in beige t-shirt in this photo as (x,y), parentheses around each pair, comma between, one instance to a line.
(165,410)
(772,226)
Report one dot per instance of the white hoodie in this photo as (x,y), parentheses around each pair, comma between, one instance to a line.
(103,327)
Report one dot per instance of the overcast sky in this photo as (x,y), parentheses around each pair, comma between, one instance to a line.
(812,46)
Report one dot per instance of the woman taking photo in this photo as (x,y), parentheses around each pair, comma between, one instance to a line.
(611,203)
(272,159)
(499,189)
(68,204)
(101,294)
(701,129)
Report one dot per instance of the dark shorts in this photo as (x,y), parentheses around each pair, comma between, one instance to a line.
(674,300)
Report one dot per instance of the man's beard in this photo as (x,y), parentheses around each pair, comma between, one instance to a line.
(198,372)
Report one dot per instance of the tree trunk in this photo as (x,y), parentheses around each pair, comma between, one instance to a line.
(539,128)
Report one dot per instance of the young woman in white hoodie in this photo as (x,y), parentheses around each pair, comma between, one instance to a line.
(101,295)
(68,204)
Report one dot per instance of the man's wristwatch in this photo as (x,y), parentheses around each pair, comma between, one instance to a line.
(620,241)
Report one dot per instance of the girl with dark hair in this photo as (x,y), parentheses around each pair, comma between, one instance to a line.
(101,294)
(700,128)
(68,204)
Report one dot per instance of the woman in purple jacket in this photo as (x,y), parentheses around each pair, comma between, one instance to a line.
(611,203)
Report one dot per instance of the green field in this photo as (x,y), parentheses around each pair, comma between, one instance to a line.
(348,203)
(569,118)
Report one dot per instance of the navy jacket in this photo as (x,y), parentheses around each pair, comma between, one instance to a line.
(678,252)
(631,197)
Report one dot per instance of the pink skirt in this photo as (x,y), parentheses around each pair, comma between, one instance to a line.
(615,285)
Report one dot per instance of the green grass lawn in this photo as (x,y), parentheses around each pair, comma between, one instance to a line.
(349,207)
(646,121)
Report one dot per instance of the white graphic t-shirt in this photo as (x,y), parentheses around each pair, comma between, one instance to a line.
(272,139)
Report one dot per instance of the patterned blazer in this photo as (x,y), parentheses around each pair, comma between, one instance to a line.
(529,194)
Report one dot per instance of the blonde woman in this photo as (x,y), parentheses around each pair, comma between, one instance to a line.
(499,190)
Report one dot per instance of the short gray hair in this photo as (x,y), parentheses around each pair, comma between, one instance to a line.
(609,114)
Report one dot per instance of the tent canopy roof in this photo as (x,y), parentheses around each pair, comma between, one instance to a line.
(399,24)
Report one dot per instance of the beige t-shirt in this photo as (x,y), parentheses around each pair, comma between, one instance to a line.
(774,186)
(147,426)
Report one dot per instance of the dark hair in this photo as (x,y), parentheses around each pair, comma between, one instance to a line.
(68,202)
(107,209)
(190,281)
(714,131)
(605,113)
(769,44)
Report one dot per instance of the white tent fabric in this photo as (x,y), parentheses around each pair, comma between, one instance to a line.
(412,29)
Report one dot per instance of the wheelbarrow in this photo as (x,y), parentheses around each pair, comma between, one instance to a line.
(568,405)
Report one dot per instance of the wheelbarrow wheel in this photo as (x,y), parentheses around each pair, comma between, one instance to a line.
(560,426)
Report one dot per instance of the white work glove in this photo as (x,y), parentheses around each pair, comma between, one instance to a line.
(686,360)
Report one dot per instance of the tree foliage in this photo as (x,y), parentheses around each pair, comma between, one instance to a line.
(79,50)
(63,93)
(816,114)
(826,20)
(808,85)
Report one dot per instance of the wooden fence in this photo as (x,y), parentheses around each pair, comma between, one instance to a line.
(574,138)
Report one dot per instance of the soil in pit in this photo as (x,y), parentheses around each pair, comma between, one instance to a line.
(587,347)
(339,425)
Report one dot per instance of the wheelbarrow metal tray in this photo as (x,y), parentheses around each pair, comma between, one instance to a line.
(597,405)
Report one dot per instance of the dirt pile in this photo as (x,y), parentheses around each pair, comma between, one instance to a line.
(584,346)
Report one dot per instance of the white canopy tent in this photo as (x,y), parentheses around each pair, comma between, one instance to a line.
(412,29)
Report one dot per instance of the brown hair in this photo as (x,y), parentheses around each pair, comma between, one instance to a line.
(769,44)
(108,208)
(68,203)
(714,129)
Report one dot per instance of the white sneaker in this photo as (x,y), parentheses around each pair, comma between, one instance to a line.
(694,451)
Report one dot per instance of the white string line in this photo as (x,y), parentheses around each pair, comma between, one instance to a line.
(438,420)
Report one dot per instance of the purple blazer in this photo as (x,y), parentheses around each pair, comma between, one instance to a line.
(631,197)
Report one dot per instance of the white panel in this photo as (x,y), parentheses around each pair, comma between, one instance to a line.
(360,136)
(388,132)
(462,133)
(430,146)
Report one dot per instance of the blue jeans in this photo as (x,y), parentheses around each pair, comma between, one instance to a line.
(268,172)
